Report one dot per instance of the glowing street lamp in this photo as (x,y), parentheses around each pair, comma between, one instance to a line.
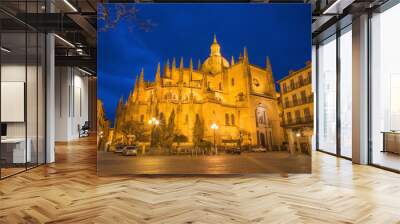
(154,121)
(214,126)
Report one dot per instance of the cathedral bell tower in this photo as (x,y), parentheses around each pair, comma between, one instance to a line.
(215,49)
(215,63)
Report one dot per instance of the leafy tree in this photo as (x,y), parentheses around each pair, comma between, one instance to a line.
(205,145)
(103,126)
(135,129)
(180,138)
(198,131)
(118,121)
(169,132)
(155,136)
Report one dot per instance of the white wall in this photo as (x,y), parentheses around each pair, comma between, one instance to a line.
(16,73)
(71,102)
(33,127)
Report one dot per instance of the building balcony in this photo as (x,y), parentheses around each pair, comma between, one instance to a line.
(296,85)
(301,101)
(299,121)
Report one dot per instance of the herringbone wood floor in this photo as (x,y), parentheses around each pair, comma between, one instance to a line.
(70,192)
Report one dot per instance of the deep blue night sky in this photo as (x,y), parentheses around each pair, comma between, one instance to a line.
(280,31)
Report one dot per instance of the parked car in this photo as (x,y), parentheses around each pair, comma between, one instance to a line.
(131,150)
(259,149)
(235,151)
(119,148)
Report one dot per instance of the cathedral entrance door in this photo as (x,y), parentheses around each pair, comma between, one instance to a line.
(262,139)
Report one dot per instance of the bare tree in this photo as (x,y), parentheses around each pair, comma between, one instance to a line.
(108,18)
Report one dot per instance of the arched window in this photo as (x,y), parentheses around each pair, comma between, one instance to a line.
(232,119)
(294,98)
(141,118)
(168,96)
(162,116)
(226,119)
(186,119)
(233,81)
(220,86)
(301,79)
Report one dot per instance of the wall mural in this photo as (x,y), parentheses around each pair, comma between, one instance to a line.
(197,88)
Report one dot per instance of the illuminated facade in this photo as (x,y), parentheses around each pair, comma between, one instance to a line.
(298,108)
(239,97)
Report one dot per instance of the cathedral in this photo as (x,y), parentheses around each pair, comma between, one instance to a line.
(239,97)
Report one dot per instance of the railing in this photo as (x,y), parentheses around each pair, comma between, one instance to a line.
(301,101)
(299,120)
(192,84)
(297,85)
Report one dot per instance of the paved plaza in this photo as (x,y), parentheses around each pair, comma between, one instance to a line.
(110,163)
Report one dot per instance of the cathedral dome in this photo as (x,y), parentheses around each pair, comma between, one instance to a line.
(215,62)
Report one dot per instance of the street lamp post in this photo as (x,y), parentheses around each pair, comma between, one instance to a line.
(214,126)
(240,140)
(298,135)
(154,123)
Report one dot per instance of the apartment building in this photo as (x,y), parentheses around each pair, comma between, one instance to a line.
(297,104)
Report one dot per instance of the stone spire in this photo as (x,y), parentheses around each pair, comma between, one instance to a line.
(129,99)
(190,69)
(232,60)
(167,72)
(270,76)
(158,75)
(245,56)
(173,68)
(199,65)
(268,66)
(141,79)
(181,64)
(181,70)
(173,64)
(135,88)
